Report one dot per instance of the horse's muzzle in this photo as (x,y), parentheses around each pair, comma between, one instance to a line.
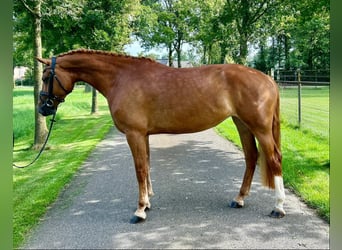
(45,109)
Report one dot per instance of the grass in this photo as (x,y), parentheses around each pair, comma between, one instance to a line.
(314,105)
(306,164)
(74,135)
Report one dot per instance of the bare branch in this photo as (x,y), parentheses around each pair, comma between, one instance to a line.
(28,7)
(30,10)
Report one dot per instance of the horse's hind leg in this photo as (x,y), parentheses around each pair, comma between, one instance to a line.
(138,144)
(251,156)
(270,164)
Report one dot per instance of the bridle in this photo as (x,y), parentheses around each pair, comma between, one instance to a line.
(47,107)
(48,103)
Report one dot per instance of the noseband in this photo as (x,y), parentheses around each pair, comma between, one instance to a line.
(50,97)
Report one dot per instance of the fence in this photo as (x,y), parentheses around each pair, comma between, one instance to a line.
(305,77)
(305,98)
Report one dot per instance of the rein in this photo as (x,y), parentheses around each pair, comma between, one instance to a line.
(48,103)
(43,147)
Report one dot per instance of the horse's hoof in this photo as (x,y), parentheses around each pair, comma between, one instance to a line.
(276,214)
(235,204)
(135,220)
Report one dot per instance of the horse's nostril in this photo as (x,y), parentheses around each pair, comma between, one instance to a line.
(46,111)
(49,103)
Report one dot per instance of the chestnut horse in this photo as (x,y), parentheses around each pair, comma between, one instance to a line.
(146,97)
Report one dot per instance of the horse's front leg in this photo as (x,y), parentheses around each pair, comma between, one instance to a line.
(149,182)
(137,143)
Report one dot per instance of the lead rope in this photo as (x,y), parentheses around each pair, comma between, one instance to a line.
(43,147)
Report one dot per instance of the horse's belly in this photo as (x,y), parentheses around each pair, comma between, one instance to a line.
(183,120)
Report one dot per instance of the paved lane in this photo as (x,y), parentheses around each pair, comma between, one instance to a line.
(194,176)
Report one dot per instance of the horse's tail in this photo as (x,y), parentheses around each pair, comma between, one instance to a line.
(268,172)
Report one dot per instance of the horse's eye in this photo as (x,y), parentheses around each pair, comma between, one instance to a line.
(45,79)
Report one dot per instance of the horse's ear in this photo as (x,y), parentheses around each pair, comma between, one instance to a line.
(44,61)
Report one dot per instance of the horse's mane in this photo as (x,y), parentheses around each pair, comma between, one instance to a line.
(102,52)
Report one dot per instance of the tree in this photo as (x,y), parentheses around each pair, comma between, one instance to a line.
(248,19)
(31,11)
(104,24)
(305,23)
(312,27)
(166,23)
(208,31)
(71,24)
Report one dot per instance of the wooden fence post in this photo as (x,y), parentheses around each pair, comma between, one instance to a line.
(299,98)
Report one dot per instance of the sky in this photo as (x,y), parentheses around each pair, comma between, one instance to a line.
(134,49)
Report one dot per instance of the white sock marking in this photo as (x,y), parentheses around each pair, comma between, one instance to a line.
(279,193)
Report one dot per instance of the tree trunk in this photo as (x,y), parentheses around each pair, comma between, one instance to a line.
(170,55)
(87,88)
(40,121)
(94,107)
(204,58)
(223,53)
(286,48)
(279,42)
(310,56)
(178,48)
(243,51)
(179,59)
(210,56)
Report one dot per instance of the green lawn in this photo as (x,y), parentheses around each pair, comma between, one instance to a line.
(315,108)
(74,135)
(306,164)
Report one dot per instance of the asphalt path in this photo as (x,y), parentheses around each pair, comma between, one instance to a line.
(194,177)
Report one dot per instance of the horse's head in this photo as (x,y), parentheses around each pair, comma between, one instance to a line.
(56,86)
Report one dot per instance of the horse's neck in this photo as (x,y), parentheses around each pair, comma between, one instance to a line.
(98,71)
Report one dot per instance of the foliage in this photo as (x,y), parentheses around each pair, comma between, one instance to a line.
(247,21)
(210,34)
(224,31)
(219,30)
(305,22)
(166,23)
(71,24)
(63,25)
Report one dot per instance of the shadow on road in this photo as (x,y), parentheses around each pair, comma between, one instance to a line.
(194,176)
